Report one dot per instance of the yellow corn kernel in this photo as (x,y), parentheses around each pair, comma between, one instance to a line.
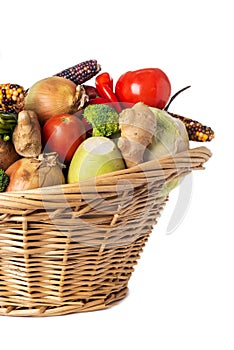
(11,97)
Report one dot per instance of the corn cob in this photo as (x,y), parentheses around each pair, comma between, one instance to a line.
(11,97)
(196,131)
(8,122)
(82,72)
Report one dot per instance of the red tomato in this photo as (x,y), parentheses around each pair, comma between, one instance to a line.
(63,134)
(88,127)
(150,86)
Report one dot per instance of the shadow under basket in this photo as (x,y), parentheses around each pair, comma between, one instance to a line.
(72,248)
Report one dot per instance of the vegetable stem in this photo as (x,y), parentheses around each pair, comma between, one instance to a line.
(174,96)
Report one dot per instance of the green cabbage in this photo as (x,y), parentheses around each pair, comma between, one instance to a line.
(171,137)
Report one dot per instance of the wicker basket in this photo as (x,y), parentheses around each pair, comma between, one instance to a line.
(72,248)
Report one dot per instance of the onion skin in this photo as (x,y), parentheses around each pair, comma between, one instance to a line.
(22,175)
(29,173)
(54,95)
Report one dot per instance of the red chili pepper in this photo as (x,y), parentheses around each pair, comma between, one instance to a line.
(104,86)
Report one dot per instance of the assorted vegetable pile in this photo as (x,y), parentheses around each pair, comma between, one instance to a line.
(62,130)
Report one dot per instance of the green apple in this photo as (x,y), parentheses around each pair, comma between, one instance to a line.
(94,156)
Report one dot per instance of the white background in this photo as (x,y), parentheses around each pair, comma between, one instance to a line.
(181,293)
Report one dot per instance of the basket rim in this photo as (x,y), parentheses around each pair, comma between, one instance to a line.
(193,157)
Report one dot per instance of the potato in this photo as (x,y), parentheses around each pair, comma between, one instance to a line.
(8,154)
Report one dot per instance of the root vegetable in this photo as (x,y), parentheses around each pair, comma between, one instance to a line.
(8,155)
(95,156)
(27,135)
(29,173)
(55,95)
(138,125)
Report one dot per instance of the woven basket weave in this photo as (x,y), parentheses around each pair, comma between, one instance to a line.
(72,248)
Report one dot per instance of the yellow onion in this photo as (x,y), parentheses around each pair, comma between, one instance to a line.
(30,173)
(55,95)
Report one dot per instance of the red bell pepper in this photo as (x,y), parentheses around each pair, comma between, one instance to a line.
(104,86)
(149,85)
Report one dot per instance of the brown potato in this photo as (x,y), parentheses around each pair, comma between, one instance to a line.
(8,154)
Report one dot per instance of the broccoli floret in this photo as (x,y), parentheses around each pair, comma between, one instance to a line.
(4,180)
(103,118)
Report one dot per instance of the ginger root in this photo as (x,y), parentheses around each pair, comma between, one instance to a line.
(27,135)
(138,125)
